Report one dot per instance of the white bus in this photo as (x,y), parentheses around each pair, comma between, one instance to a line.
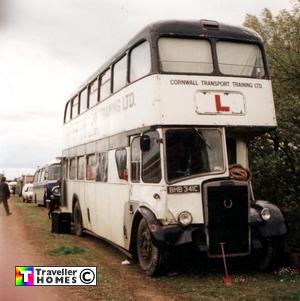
(155,145)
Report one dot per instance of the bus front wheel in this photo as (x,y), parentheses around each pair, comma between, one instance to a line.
(78,227)
(150,257)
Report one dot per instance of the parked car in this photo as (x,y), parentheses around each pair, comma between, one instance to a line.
(27,192)
(46,179)
(21,181)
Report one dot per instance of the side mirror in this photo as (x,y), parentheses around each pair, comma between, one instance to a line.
(145,143)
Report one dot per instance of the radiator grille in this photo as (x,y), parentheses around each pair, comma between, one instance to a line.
(227,219)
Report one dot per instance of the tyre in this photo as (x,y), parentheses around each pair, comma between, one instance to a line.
(271,256)
(78,227)
(150,257)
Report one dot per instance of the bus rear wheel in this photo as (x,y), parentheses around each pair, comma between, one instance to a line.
(150,257)
(78,227)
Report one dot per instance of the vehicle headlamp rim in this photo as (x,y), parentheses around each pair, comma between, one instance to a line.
(265,214)
(180,218)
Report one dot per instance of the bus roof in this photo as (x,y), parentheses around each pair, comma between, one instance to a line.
(201,28)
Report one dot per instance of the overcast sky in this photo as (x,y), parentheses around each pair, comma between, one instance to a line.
(48,48)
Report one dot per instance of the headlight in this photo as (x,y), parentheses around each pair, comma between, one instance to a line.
(56,190)
(185,218)
(265,214)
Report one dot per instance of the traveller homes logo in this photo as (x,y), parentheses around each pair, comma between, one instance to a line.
(48,276)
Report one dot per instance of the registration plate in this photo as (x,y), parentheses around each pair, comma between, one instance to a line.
(183,189)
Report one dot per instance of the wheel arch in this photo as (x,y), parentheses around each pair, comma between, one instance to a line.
(149,216)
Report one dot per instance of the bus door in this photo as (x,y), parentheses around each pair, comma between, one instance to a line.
(146,174)
(135,188)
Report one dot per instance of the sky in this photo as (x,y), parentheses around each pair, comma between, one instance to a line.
(48,48)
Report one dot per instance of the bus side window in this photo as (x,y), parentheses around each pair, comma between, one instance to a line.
(83,100)
(80,168)
(151,167)
(66,170)
(93,92)
(68,112)
(75,107)
(72,169)
(105,85)
(135,160)
(91,167)
(101,167)
(120,74)
(140,61)
(121,160)
(231,150)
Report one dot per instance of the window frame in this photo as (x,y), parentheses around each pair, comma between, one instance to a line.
(185,37)
(99,177)
(70,166)
(96,79)
(109,70)
(76,97)
(87,165)
(130,60)
(67,110)
(224,154)
(125,55)
(86,101)
(77,168)
(160,160)
(263,57)
(121,176)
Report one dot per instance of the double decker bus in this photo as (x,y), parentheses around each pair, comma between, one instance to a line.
(155,145)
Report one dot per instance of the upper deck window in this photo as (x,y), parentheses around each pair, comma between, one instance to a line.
(105,85)
(120,74)
(240,59)
(75,107)
(93,91)
(140,61)
(83,100)
(68,111)
(185,55)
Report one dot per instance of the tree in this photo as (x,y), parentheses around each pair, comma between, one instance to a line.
(275,156)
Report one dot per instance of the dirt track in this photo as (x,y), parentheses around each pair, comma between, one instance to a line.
(20,246)
(15,250)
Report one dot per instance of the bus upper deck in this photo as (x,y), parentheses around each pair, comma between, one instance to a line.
(213,74)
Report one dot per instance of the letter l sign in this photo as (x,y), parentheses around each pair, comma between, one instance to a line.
(219,106)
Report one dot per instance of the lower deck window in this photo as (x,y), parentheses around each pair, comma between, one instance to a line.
(72,170)
(80,168)
(121,160)
(91,167)
(101,168)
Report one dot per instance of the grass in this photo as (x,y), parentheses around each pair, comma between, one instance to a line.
(66,250)
(118,282)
